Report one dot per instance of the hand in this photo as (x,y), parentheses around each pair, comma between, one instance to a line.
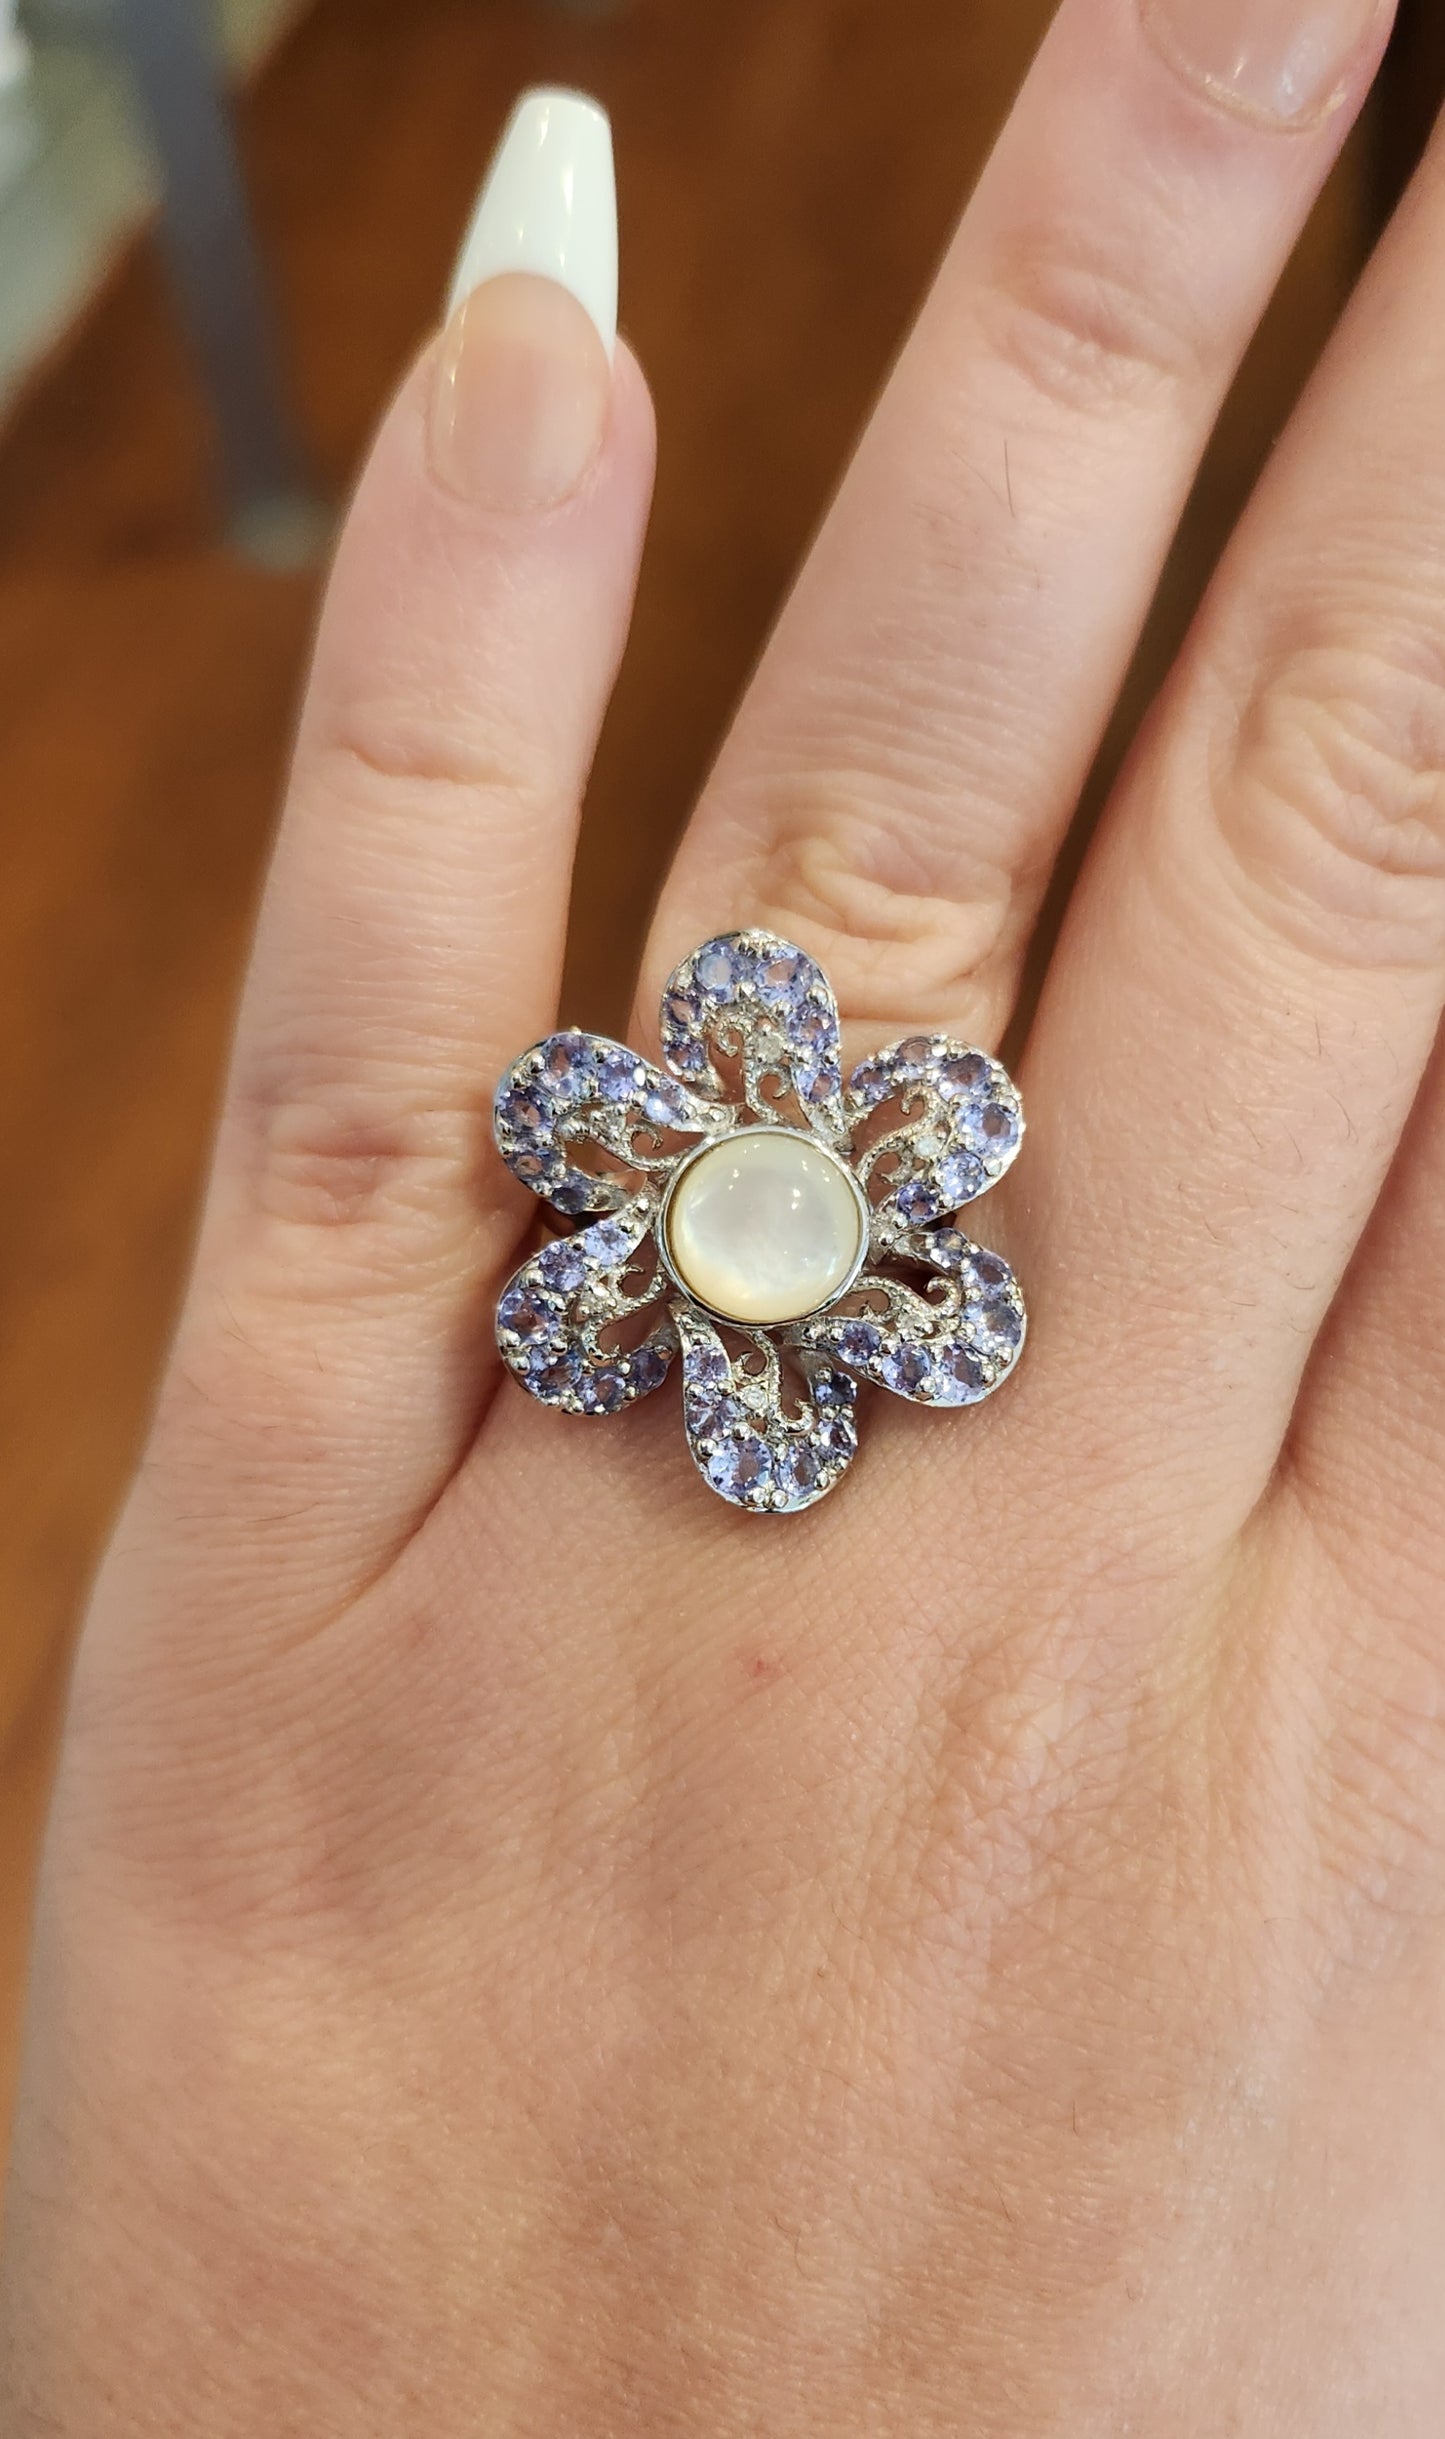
(526,1949)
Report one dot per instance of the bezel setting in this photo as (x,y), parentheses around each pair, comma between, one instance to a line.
(707,1151)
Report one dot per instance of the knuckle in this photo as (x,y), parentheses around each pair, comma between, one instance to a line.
(850,873)
(331,1152)
(1086,330)
(392,748)
(1333,798)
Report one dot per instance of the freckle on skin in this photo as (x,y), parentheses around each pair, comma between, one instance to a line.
(759,1667)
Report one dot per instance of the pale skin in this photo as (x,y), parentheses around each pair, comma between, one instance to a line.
(970,1959)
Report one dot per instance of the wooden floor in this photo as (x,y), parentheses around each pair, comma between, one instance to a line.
(788,172)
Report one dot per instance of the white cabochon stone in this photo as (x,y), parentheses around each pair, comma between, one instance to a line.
(765,1227)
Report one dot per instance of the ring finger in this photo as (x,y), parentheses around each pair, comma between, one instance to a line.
(909,754)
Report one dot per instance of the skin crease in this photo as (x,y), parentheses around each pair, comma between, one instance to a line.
(526,1951)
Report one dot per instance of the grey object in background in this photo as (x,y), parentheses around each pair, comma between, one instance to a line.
(206,231)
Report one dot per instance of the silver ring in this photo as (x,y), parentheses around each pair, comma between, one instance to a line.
(791,1236)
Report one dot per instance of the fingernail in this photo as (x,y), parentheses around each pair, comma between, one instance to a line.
(524,372)
(1286,61)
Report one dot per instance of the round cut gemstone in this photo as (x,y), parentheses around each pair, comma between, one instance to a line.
(818,1084)
(998,1321)
(964,1075)
(991,1129)
(960,1378)
(859,1342)
(524,1313)
(603,1392)
(765,1227)
(782,981)
(908,1370)
(741,1468)
(918,1203)
(617,1076)
(568,1065)
(554,1378)
(563,1266)
(523,1112)
(960,1178)
(990,1270)
(663,1105)
(833,1389)
(716,969)
(609,1243)
(799,1469)
(871,1083)
(709,1414)
(648,1370)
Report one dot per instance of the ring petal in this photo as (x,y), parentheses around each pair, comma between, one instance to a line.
(965,1123)
(576,1088)
(554,1309)
(753,996)
(745,1443)
(951,1347)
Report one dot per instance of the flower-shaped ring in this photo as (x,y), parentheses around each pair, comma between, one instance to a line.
(768,1212)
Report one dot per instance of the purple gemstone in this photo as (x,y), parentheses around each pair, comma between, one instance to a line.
(782,981)
(992,1130)
(563,1266)
(529,1166)
(680,1012)
(799,1469)
(964,1075)
(603,1392)
(812,1026)
(525,1314)
(911,1057)
(553,1378)
(832,1389)
(908,1370)
(817,1084)
(918,1203)
(960,1379)
(574,1193)
(715,968)
(609,1243)
(871,1083)
(648,1370)
(999,1321)
(706,1364)
(708,1416)
(524,1112)
(837,1441)
(741,1469)
(690,1056)
(858,1342)
(989,1270)
(948,1248)
(618,1076)
(663,1105)
(960,1178)
(567,1065)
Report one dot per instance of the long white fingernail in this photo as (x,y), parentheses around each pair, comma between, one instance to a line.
(549,206)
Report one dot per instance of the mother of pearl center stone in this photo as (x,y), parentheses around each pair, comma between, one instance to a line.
(764,1227)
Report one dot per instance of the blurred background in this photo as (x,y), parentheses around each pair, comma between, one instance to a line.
(224,227)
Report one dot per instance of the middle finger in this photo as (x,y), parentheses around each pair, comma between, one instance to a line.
(911,750)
